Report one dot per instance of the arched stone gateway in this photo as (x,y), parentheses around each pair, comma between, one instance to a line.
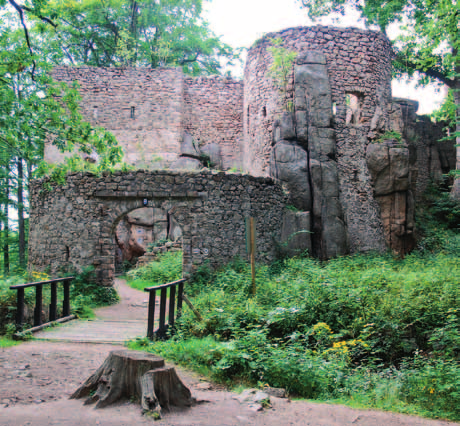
(74,225)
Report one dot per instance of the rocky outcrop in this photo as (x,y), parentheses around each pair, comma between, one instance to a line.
(296,233)
(193,158)
(433,156)
(142,227)
(389,164)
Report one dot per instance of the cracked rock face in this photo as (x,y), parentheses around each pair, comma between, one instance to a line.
(389,166)
(142,227)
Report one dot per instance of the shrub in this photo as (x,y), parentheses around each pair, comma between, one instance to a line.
(167,268)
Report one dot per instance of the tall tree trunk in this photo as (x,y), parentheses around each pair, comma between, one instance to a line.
(6,230)
(456,187)
(21,224)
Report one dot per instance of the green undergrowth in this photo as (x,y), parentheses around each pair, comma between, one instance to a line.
(364,330)
(6,342)
(85,295)
(167,268)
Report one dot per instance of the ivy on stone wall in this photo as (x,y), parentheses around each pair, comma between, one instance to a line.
(280,70)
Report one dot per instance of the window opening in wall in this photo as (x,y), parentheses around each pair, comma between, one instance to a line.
(334,108)
(95,112)
(264,111)
(248,119)
(354,103)
(133,112)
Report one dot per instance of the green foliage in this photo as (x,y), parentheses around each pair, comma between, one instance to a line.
(281,69)
(446,115)
(86,293)
(367,330)
(167,268)
(390,134)
(141,33)
(6,342)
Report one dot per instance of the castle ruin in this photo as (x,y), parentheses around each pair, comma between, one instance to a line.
(330,156)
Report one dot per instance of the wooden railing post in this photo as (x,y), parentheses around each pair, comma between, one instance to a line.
(20,309)
(151,315)
(179,299)
(172,305)
(161,327)
(66,301)
(53,303)
(38,305)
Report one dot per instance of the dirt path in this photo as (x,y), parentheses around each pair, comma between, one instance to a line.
(37,377)
(113,324)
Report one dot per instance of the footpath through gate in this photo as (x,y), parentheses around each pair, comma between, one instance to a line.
(113,324)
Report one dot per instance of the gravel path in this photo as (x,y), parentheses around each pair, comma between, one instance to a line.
(37,377)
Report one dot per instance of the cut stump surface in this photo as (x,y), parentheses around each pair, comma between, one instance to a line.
(135,375)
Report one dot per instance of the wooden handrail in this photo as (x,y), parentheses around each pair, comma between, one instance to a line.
(40,283)
(174,307)
(38,300)
(158,287)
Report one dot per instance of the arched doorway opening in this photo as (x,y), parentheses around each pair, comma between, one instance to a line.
(142,235)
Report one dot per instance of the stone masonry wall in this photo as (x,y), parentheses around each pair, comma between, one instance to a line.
(75,224)
(213,115)
(334,69)
(432,156)
(142,107)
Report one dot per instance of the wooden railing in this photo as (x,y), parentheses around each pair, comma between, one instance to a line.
(176,292)
(39,301)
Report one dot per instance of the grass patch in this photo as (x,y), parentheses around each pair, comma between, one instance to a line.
(167,268)
(6,342)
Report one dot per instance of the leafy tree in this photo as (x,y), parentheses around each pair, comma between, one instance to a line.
(429,44)
(134,32)
(33,109)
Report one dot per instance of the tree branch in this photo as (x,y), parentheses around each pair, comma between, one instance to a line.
(433,73)
(43,18)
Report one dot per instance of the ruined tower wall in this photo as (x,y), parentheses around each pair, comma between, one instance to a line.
(148,110)
(332,65)
(142,107)
(213,110)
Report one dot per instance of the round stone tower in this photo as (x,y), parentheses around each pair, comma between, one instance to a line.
(312,132)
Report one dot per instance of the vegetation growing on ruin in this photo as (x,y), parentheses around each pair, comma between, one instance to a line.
(167,268)
(280,71)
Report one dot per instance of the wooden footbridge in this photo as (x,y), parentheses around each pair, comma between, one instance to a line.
(124,321)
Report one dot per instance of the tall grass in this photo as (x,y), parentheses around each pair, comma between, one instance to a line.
(367,330)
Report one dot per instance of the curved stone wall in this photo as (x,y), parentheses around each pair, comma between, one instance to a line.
(75,224)
(340,93)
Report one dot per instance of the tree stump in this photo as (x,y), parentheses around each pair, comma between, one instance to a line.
(135,375)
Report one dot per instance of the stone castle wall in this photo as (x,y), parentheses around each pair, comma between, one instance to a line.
(213,115)
(75,224)
(322,143)
(142,107)
(330,148)
(148,111)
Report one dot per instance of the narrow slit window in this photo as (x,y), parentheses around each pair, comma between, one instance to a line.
(95,112)
(354,103)
(334,108)
(133,112)
(264,111)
